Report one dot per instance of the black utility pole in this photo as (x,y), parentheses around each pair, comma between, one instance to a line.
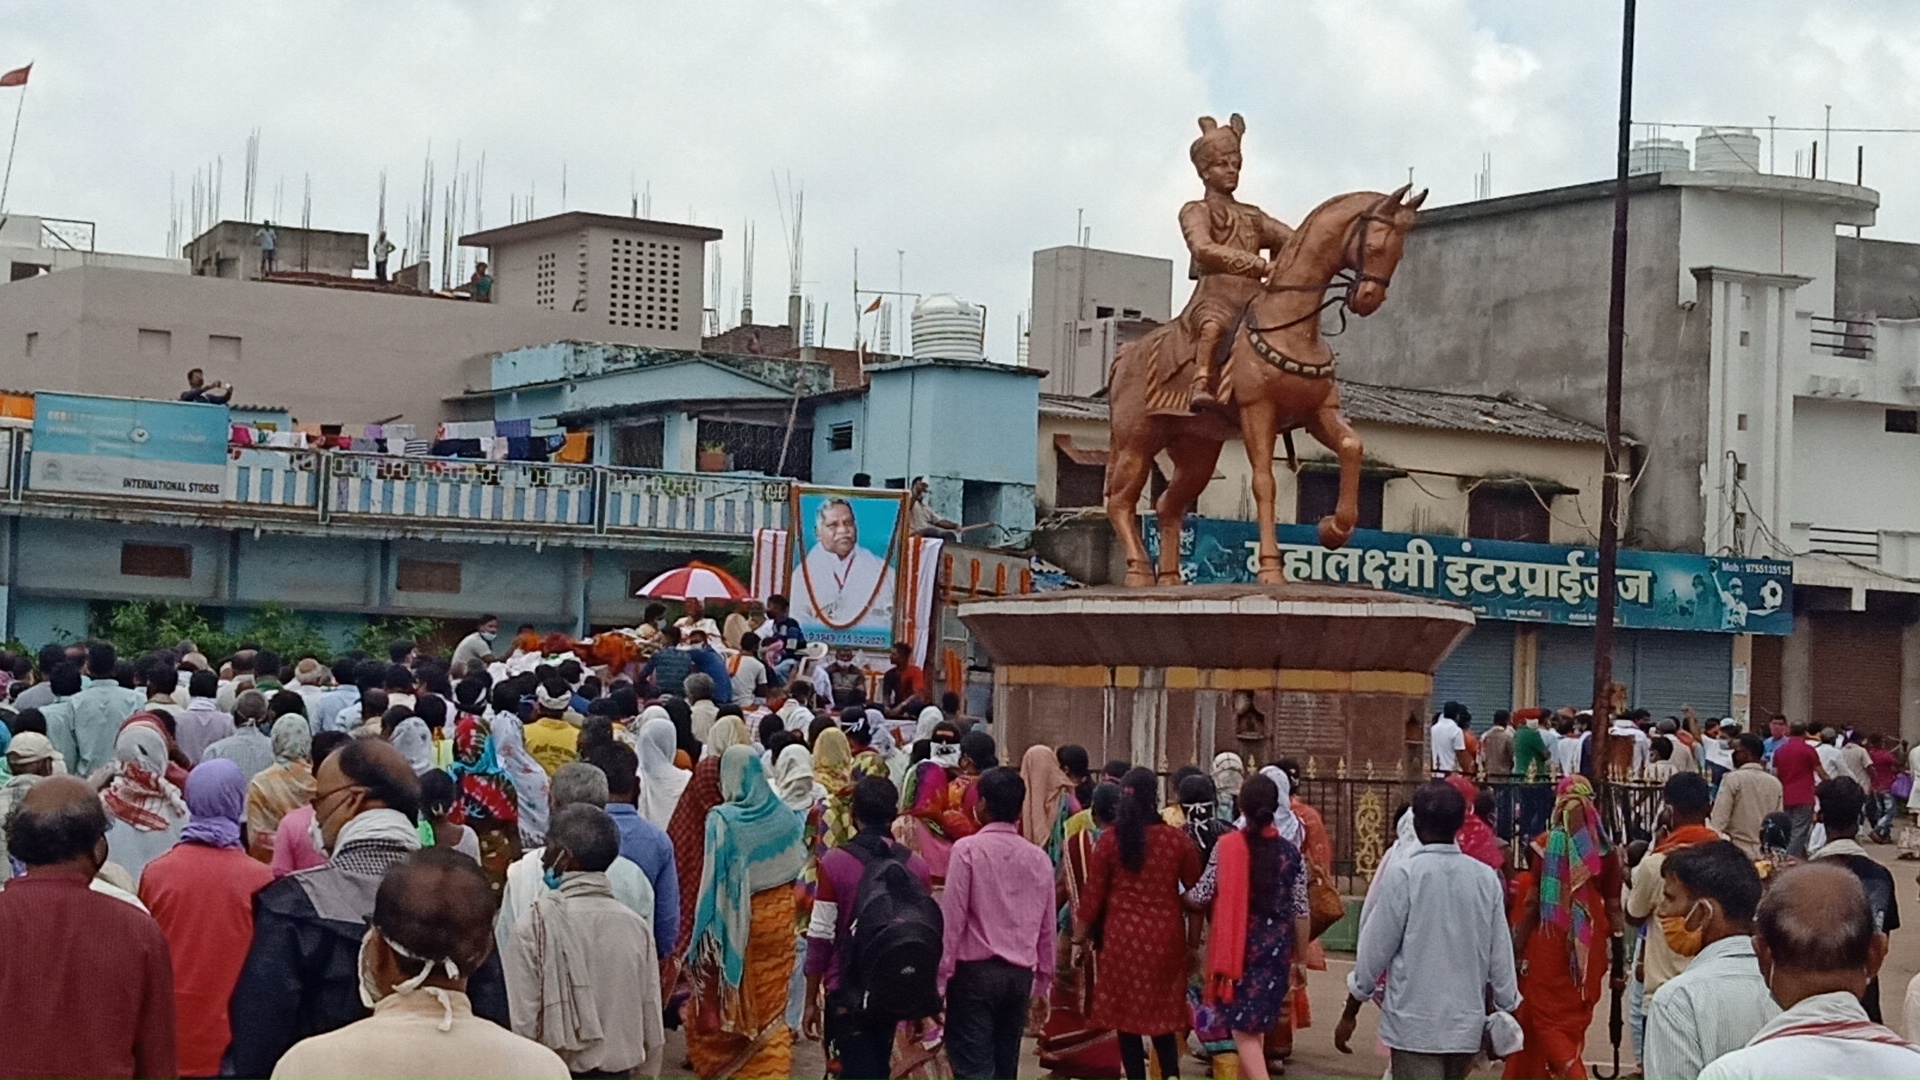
(1610,484)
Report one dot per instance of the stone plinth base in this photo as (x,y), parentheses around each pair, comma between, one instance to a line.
(1171,676)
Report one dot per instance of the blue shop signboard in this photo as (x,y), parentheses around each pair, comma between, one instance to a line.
(1500,579)
(126,446)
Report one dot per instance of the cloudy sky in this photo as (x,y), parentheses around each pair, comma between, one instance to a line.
(965,134)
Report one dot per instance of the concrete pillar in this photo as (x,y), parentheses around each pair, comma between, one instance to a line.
(1150,719)
(1910,682)
(1206,711)
(1526,666)
(1796,670)
(1742,699)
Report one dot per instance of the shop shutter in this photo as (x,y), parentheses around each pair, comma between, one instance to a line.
(1765,669)
(1479,673)
(1856,671)
(1673,668)
(1566,665)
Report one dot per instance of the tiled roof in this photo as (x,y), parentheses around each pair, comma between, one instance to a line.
(1409,407)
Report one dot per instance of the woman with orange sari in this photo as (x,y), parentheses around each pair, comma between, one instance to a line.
(1070,1046)
(1567,915)
(1317,848)
(919,828)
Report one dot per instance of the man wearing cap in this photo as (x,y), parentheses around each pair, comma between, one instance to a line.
(32,758)
(551,740)
(1225,238)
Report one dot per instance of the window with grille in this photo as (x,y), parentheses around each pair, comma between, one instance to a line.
(1317,494)
(640,446)
(840,436)
(1508,512)
(156,560)
(545,277)
(643,284)
(419,575)
(757,447)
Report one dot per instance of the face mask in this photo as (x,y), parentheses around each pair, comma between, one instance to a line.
(551,877)
(1683,940)
(370,990)
(488,638)
(315,837)
(947,754)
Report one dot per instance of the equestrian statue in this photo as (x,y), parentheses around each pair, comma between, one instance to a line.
(1245,359)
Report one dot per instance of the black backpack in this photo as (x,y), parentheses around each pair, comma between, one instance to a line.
(897,935)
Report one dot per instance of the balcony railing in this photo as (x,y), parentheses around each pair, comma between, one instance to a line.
(1863,544)
(1842,337)
(333,485)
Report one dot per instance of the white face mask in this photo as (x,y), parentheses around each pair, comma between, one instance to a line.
(488,638)
(316,837)
(947,754)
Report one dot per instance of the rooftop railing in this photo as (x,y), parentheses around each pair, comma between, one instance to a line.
(334,485)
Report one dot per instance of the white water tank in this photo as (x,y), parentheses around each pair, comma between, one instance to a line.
(946,327)
(1727,149)
(1657,156)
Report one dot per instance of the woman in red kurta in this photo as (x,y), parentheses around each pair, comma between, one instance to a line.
(1133,899)
(201,894)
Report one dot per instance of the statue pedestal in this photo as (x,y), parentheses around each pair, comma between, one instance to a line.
(1169,676)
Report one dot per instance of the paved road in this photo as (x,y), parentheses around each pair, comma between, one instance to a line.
(1314,1055)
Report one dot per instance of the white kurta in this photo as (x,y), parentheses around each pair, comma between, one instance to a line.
(833,592)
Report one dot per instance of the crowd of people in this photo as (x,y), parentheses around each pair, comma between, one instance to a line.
(1663,904)
(514,863)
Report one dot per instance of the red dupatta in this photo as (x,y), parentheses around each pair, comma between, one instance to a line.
(1227,948)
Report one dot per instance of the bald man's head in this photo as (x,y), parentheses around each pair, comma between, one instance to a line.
(1815,933)
(59,824)
(367,774)
(436,906)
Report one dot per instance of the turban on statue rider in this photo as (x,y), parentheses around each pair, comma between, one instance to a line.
(1216,141)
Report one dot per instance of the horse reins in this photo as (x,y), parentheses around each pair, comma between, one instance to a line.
(1354,252)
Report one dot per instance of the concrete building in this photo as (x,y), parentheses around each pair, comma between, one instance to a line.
(32,246)
(623,274)
(964,425)
(1770,374)
(1086,304)
(331,354)
(231,249)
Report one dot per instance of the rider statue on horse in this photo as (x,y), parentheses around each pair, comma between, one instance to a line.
(1246,360)
(1225,237)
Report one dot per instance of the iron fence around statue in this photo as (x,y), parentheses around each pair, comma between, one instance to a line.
(1362,809)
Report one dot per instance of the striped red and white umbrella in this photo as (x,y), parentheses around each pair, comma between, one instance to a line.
(695,581)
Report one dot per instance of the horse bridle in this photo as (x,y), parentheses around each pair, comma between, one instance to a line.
(1354,255)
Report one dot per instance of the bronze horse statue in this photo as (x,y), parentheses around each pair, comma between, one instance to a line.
(1278,375)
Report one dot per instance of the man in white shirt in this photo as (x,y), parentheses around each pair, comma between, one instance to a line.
(1815,943)
(576,784)
(746,670)
(841,584)
(797,714)
(1567,749)
(476,648)
(1447,740)
(1719,1001)
(1625,728)
(1435,926)
(1832,760)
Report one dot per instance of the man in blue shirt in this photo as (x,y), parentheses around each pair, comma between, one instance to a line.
(641,841)
(1779,734)
(711,664)
(784,628)
(344,693)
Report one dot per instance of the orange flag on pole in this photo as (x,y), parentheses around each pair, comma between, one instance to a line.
(16,77)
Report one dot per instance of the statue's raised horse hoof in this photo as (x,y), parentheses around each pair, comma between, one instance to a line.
(1271,572)
(1332,536)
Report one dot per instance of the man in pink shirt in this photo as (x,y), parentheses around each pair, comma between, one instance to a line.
(1797,765)
(997,965)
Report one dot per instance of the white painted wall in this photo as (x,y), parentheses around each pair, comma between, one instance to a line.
(1850,472)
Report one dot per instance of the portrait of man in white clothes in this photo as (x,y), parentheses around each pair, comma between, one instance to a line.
(842,585)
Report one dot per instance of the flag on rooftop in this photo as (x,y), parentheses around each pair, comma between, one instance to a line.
(16,77)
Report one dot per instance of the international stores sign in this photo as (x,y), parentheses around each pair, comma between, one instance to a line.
(1500,579)
(170,450)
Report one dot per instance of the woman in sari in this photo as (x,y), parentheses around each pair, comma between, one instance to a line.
(1476,839)
(280,788)
(487,804)
(1049,802)
(923,804)
(688,831)
(1569,911)
(1199,810)
(1070,1046)
(793,782)
(742,954)
(977,755)
(661,781)
(530,781)
(1229,772)
(1318,852)
(833,770)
